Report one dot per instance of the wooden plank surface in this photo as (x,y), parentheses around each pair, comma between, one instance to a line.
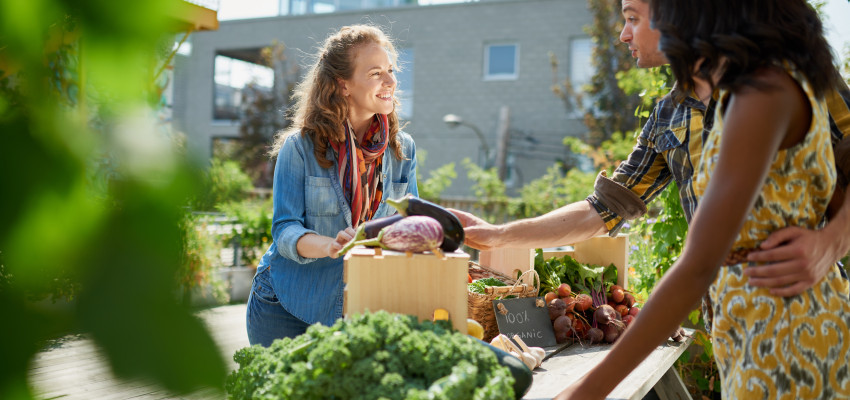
(570,364)
(76,369)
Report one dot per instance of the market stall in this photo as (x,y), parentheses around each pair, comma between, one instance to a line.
(412,303)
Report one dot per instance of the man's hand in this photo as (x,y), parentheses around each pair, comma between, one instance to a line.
(798,259)
(478,233)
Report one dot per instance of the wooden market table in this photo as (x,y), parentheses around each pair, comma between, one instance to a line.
(567,364)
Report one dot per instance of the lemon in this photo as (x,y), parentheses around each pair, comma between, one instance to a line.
(474,329)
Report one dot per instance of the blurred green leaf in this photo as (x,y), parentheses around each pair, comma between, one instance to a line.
(94,194)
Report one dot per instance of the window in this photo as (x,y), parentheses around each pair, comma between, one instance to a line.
(231,77)
(581,62)
(301,7)
(323,6)
(405,82)
(501,62)
(581,69)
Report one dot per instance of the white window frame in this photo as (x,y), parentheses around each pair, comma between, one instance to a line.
(501,77)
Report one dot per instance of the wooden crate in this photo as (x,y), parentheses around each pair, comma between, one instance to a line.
(602,250)
(511,262)
(416,284)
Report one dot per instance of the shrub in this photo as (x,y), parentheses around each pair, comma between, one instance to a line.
(252,231)
(224,182)
(198,262)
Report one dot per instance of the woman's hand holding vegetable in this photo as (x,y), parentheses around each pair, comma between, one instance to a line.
(318,246)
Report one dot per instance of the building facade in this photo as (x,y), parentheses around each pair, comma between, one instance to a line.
(487,63)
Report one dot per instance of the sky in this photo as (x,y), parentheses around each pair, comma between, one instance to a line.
(837,14)
(837,24)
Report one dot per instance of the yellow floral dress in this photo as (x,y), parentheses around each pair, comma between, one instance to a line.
(770,347)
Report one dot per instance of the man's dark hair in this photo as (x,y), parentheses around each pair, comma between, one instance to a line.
(749,34)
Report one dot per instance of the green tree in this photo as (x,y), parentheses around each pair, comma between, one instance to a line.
(224,182)
(611,109)
(438,179)
(94,193)
(265,115)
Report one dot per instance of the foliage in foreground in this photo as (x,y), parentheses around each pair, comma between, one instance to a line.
(371,356)
(94,194)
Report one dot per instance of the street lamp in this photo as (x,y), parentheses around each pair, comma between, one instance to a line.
(454,121)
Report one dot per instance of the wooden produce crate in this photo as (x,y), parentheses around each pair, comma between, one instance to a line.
(510,262)
(602,250)
(414,284)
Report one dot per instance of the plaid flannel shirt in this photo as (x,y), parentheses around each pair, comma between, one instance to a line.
(666,150)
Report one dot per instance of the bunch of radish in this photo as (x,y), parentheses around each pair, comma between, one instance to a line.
(599,317)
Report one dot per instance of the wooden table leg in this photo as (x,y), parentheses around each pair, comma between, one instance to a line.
(671,387)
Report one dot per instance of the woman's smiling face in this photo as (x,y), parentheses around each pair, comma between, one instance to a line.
(371,87)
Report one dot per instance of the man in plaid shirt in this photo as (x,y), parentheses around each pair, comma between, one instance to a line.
(668,149)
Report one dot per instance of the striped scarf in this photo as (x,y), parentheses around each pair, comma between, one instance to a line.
(360,168)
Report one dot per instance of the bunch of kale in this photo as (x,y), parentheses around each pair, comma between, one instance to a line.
(372,356)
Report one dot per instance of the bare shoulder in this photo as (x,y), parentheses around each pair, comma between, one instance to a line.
(776,102)
(776,80)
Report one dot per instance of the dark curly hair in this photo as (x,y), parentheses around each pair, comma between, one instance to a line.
(746,35)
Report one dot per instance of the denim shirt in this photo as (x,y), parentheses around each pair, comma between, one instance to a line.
(309,199)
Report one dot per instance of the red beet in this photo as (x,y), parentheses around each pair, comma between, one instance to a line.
(595,335)
(629,299)
(678,335)
(605,314)
(612,332)
(628,319)
(634,311)
(557,308)
(562,323)
(561,337)
(562,326)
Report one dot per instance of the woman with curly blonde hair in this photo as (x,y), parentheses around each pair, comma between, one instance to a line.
(344,155)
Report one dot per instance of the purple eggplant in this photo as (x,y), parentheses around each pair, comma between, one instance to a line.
(370,230)
(452,228)
(414,234)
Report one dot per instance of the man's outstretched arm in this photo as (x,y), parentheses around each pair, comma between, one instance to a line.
(569,224)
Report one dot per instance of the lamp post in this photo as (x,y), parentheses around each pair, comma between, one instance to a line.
(454,121)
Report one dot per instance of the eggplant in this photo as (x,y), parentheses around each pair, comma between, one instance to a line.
(415,234)
(370,230)
(452,228)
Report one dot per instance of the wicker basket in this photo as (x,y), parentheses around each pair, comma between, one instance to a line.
(480,305)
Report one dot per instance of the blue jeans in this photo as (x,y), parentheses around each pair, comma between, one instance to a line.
(266,319)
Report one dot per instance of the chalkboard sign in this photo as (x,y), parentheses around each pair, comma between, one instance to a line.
(527,318)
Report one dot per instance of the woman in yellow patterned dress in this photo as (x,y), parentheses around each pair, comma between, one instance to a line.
(768,164)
